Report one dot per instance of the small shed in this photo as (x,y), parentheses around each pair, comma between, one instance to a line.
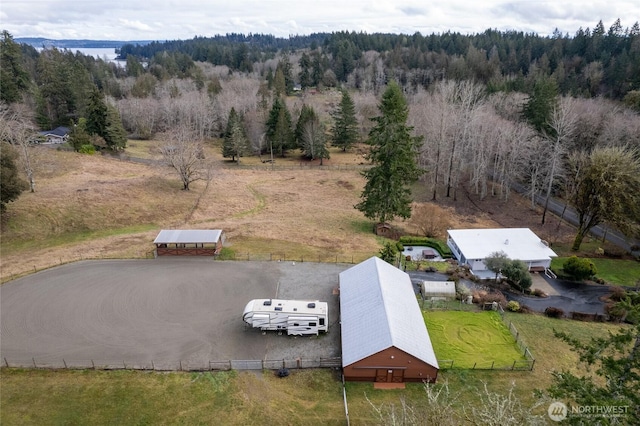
(189,242)
(384,336)
(438,290)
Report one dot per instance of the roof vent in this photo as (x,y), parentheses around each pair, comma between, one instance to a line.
(506,242)
(311,305)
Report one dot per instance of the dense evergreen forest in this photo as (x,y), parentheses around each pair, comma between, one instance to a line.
(493,109)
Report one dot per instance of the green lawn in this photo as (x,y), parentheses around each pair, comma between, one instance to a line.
(471,339)
(306,397)
(613,271)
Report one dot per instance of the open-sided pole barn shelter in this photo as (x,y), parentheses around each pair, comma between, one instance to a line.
(189,242)
(384,337)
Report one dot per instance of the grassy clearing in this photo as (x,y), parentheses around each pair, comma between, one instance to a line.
(621,272)
(471,339)
(307,397)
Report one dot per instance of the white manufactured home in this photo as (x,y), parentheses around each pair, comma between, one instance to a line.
(297,317)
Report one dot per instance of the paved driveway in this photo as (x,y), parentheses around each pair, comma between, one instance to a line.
(567,295)
(163,310)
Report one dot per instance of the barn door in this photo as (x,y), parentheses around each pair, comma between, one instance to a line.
(381,375)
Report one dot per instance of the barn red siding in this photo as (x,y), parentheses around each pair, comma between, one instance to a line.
(391,365)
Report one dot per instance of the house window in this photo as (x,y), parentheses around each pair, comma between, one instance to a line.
(321,321)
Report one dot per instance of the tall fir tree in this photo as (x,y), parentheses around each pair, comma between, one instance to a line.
(540,105)
(345,127)
(394,150)
(97,114)
(279,132)
(235,143)
(14,80)
(114,133)
(307,113)
(305,71)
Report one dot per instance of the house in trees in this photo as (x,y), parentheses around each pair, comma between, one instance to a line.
(384,336)
(471,246)
(189,242)
(56,136)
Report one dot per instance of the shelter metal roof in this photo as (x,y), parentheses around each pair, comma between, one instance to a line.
(517,243)
(188,236)
(379,309)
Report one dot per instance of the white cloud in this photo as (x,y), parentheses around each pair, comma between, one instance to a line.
(183,19)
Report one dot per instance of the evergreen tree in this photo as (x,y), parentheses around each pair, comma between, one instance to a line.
(305,71)
(96,114)
(313,140)
(393,154)
(235,143)
(540,105)
(78,136)
(345,127)
(11,185)
(115,136)
(307,114)
(279,132)
(611,375)
(14,80)
(279,83)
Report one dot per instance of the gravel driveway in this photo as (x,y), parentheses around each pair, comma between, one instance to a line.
(165,310)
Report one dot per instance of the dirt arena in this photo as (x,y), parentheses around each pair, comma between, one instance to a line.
(166,310)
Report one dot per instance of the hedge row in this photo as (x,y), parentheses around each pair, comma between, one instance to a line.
(441,246)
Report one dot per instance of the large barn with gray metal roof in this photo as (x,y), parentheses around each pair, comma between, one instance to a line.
(384,336)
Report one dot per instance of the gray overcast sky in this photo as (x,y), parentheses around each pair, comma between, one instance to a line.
(185,19)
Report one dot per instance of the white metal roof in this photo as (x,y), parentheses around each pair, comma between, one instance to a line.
(439,288)
(378,310)
(188,236)
(517,243)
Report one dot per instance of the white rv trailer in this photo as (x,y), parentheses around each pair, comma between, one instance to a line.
(297,317)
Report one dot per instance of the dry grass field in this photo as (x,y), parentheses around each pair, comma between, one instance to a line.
(102,207)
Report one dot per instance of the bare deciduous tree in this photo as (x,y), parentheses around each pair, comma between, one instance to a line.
(431,219)
(17,129)
(184,153)
(562,124)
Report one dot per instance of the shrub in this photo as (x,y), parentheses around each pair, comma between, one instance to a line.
(539,293)
(513,306)
(441,246)
(87,149)
(554,312)
(579,268)
(617,294)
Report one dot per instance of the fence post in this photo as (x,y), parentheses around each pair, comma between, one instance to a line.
(93,364)
(532,364)
(34,363)
(6,362)
(125,364)
(474,365)
(153,367)
(513,367)
(492,363)
(180,365)
(65,363)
